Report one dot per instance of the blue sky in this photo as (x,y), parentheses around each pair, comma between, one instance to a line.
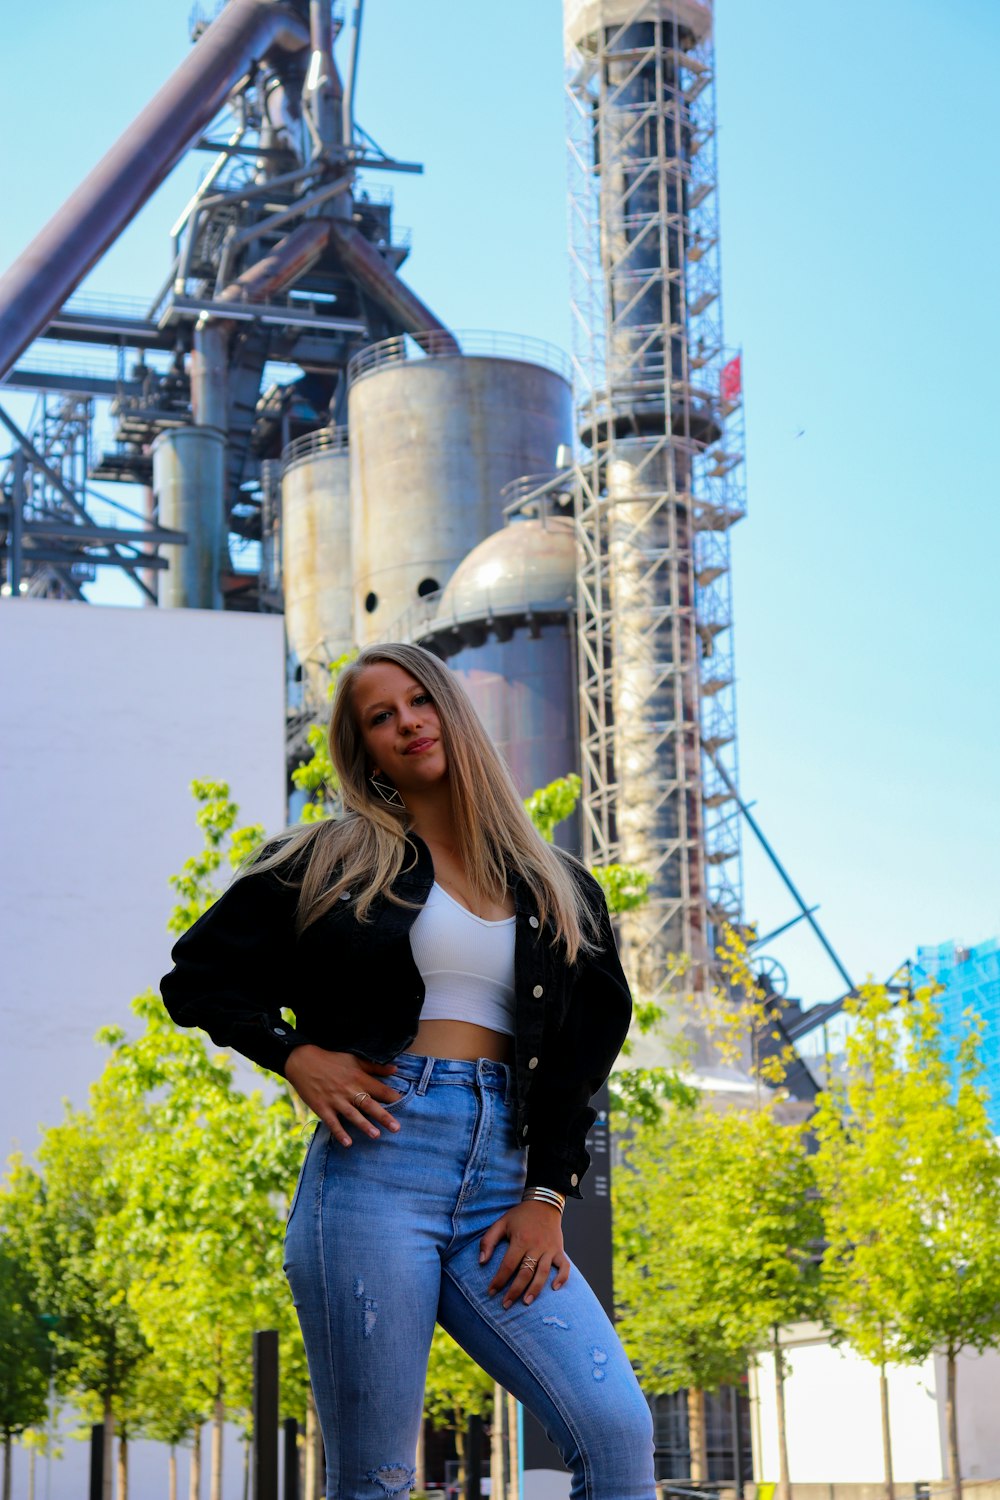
(858,172)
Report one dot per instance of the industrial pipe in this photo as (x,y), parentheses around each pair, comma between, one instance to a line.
(57,260)
(347,129)
(289,259)
(375,276)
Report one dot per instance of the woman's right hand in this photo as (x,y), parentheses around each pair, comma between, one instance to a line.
(330,1082)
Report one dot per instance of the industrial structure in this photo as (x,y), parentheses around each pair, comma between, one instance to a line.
(310,438)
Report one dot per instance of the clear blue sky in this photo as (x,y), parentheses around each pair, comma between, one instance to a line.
(858,167)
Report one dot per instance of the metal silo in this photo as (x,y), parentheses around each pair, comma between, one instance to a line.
(188,464)
(316,555)
(435,438)
(505,625)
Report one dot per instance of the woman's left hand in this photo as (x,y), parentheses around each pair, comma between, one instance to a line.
(534,1232)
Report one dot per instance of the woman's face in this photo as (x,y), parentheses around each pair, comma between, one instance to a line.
(399,726)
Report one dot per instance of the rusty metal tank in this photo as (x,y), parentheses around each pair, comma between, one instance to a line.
(316,556)
(435,437)
(505,626)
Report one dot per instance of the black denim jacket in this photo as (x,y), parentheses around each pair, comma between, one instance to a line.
(354,987)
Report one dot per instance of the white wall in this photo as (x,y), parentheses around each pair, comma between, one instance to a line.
(834,1422)
(106,716)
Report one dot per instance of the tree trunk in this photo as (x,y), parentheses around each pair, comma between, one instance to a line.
(247,1451)
(218,1427)
(6,1465)
(697,1438)
(32,1459)
(420,1474)
(513,1451)
(313,1439)
(498,1489)
(108,1457)
(954,1463)
(194,1486)
(783,1491)
(123,1467)
(459,1432)
(883,1386)
(172,1473)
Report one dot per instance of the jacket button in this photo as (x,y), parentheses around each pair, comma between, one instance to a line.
(538,992)
(532,1062)
(524,1132)
(574,1180)
(280,1031)
(532,921)
(345,895)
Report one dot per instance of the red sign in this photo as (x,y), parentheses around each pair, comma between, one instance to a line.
(731,379)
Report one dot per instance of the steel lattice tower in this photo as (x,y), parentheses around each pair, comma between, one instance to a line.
(661,472)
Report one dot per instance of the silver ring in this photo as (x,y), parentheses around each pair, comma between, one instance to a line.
(529,1260)
(360,1098)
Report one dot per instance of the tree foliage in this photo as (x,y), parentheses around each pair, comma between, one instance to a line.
(716,1228)
(910,1176)
(24,1347)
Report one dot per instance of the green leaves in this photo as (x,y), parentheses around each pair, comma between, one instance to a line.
(715,1226)
(910,1175)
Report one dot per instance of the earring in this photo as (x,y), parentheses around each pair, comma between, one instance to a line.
(386,790)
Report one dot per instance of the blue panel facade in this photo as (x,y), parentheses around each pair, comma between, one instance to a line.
(971,979)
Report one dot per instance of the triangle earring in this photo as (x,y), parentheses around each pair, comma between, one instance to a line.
(386,790)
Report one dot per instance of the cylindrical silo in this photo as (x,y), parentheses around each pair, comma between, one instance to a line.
(434,440)
(316,555)
(188,472)
(505,625)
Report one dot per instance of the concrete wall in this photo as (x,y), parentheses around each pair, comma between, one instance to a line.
(106,716)
(834,1424)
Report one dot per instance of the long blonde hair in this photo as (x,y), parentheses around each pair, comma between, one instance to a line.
(364,850)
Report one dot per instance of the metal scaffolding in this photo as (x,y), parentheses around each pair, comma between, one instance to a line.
(661,471)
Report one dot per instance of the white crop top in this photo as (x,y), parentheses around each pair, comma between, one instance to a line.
(466,963)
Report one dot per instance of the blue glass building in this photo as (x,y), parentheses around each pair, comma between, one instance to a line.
(971,979)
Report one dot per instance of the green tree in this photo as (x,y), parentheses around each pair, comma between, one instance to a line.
(62,1221)
(715,1232)
(208,1188)
(456,1389)
(24,1355)
(910,1174)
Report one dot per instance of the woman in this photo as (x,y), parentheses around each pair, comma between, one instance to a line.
(458,999)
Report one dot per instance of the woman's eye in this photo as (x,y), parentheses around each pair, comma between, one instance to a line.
(422,698)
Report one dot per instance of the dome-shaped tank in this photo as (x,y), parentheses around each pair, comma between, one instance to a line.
(505,625)
(434,440)
(527,569)
(316,555)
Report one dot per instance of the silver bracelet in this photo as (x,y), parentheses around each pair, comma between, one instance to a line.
(544,1195)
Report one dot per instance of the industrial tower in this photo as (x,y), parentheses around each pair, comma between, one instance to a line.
(659,419)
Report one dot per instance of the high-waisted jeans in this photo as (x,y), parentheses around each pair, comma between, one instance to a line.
(383,1239)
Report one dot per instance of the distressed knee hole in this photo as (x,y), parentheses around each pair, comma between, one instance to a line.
(392,1479)
(600,1359)
(552,1321)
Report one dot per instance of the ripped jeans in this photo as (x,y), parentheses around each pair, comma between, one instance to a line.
(383,1240)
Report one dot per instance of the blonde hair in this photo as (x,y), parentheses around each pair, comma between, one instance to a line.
(364,850)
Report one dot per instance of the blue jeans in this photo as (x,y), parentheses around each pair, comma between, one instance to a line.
(383,1239)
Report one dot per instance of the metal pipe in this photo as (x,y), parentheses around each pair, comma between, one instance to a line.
(203,187)
(352,76)
(806,911)
(322,93)
(277,220)
(376,277)
(285,263)
(58,259)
